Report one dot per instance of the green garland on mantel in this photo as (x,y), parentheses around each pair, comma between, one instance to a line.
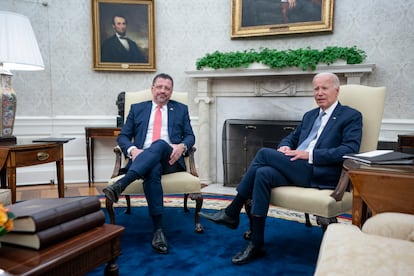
(306,58)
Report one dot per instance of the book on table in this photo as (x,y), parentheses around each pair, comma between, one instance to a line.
(35,215)
(382,157)
(57,233)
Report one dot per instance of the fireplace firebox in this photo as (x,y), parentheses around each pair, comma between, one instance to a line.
(243,138)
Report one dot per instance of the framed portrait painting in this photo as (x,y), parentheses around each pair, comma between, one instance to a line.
(123,35)
(251,18)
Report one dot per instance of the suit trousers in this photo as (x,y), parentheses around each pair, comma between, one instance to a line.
(149,165)
(270,169)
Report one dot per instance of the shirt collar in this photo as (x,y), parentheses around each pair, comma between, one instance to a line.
(330,109)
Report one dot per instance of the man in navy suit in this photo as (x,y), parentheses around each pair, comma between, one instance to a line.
(316,163)
(150,159)
(119,48)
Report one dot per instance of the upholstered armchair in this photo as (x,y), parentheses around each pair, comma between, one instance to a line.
(327,204)
(186,183)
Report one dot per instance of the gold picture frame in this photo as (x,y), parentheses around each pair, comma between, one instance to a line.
(123,35)
(250,18)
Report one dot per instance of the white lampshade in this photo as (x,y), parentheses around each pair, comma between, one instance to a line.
(18,51)
(18,45)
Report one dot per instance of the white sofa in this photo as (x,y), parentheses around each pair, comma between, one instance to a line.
(384,246)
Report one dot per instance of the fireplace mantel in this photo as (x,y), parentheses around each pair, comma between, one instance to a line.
(252,82)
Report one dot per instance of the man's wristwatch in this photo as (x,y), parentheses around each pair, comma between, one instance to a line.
(185,148)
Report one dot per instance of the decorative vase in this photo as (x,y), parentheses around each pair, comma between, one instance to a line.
(8,106)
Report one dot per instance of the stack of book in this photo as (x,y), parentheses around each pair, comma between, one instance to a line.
(42,222)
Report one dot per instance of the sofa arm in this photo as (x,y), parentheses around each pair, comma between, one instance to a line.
(391,225)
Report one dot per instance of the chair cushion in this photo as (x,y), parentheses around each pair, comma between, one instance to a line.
(346,250)
(391,225)
(310,200)
(173,183)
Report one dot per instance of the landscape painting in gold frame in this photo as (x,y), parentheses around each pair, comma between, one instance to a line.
(250,18)
(123,35)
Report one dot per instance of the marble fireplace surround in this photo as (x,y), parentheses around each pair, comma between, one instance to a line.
(253,94)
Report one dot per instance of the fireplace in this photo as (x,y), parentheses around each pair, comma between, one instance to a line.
(241,139)
(253,94)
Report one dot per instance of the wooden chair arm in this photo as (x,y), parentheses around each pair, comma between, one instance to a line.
(342,186)
(118,161)
(193,169)
(119,156)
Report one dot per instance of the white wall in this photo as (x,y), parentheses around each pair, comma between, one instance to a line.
(185,31)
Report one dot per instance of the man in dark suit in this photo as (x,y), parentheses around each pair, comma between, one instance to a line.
(333,131)
(150,157)
(119,48)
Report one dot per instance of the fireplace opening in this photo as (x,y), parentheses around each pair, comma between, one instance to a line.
(241,139)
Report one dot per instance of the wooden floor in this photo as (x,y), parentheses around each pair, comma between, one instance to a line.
(50,190)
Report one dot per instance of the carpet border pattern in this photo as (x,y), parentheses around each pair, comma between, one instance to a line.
(216,202)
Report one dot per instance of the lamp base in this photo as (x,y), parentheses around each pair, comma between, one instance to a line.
(9,140)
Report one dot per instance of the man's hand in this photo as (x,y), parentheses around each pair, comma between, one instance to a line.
(178,151)
(284,149)
(297,154)
(134,153)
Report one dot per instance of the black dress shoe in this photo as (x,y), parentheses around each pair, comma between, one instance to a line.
(159,242)
(112,192)
(250,253)
(221,217)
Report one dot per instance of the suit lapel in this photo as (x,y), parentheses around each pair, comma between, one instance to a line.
(331,122)
(145,121)
(171,115)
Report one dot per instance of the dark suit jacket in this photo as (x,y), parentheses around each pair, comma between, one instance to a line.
(113,51)
(136,126)
(341,135)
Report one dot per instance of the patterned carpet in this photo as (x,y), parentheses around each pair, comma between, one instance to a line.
(215,202)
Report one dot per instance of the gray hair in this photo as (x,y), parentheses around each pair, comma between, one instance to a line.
(334,78)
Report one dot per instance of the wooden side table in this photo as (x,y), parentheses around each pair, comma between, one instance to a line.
(90,134)
(75,256)
(21,155)
(380,188)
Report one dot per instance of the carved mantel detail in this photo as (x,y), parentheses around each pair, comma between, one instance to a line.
(289,82)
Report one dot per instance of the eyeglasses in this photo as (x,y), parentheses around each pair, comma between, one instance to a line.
(160,87)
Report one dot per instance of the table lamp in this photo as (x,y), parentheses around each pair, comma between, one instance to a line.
(18,51)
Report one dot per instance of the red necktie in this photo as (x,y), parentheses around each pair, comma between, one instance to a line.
(156,133)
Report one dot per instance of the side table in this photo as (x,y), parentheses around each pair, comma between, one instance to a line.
(380,188)
(90,134)
(20,155)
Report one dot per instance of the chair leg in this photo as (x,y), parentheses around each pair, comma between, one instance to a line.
(198,197)
(324,222)
(186,210)
(308,222)
(110,208)
(128,201)
(248,207)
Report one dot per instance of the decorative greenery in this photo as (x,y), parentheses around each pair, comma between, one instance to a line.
(304,58)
